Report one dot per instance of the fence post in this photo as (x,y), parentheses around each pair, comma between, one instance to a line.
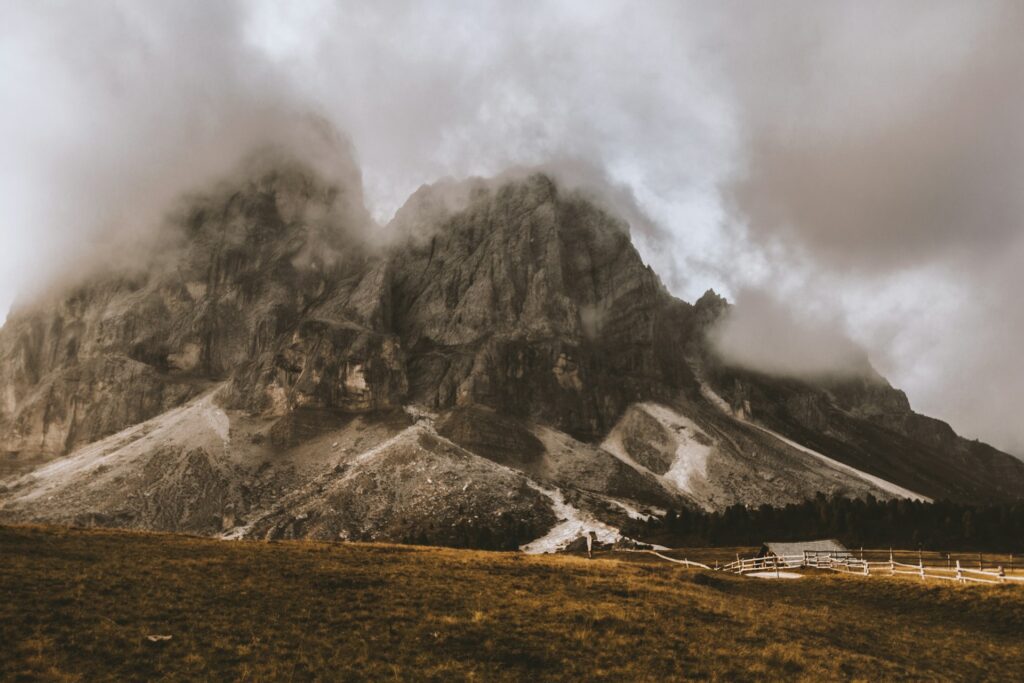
(959,574)
(920,565)
(867,569)
(1002,575)
(981,563)
(892,565)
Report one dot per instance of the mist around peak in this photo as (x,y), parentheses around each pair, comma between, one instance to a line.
(761,333)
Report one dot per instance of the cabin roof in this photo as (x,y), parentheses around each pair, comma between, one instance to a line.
(798,547)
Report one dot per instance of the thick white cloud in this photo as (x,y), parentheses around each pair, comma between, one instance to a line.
(763,333)
(883,166)
(861,161)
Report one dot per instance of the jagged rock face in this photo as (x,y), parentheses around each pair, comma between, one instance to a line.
(497,437)
(535,303)
(234,279)
(72,373)
(514,315)
(83,401)
(866,423)
(325,365)
(526,300)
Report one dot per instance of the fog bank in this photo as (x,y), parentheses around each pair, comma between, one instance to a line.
(861,163)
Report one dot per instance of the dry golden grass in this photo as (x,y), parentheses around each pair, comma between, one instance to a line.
(76,605)
(709,556)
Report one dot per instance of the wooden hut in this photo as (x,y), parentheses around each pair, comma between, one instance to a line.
(809,550)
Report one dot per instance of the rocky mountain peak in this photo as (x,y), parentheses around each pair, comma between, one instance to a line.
(513,311)
(517,299)
(518,257)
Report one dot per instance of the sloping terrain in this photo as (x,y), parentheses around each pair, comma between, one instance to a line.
(862,422)
(313,474)
(717,461)
(480,480)
(497,362)
(172,473)
(80,604)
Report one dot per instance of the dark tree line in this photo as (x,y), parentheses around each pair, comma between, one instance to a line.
(868,523)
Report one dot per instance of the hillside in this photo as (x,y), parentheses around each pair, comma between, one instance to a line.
(79,605)
(497,367)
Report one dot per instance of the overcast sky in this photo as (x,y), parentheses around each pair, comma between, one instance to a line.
(847,170)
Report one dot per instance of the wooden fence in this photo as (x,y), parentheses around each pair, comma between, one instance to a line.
(847,563)
(684,562)
(764,564)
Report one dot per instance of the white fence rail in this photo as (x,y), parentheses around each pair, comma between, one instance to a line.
(848,564)
(764,564)
(685,562)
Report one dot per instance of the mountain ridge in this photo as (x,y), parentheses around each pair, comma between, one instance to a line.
(516,314)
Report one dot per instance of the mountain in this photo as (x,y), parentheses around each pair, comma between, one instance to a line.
(496,368)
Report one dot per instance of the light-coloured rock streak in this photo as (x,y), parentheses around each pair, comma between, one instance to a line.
(883,484)
(573,523)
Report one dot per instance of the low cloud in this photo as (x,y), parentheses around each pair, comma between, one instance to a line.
(759,332)
(827,152)
(883,145)
(112,111)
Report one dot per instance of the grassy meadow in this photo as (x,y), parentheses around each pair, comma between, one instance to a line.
(78,605)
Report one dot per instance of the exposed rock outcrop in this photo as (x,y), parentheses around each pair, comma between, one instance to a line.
(864,422)
(534,302)
(504,355)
